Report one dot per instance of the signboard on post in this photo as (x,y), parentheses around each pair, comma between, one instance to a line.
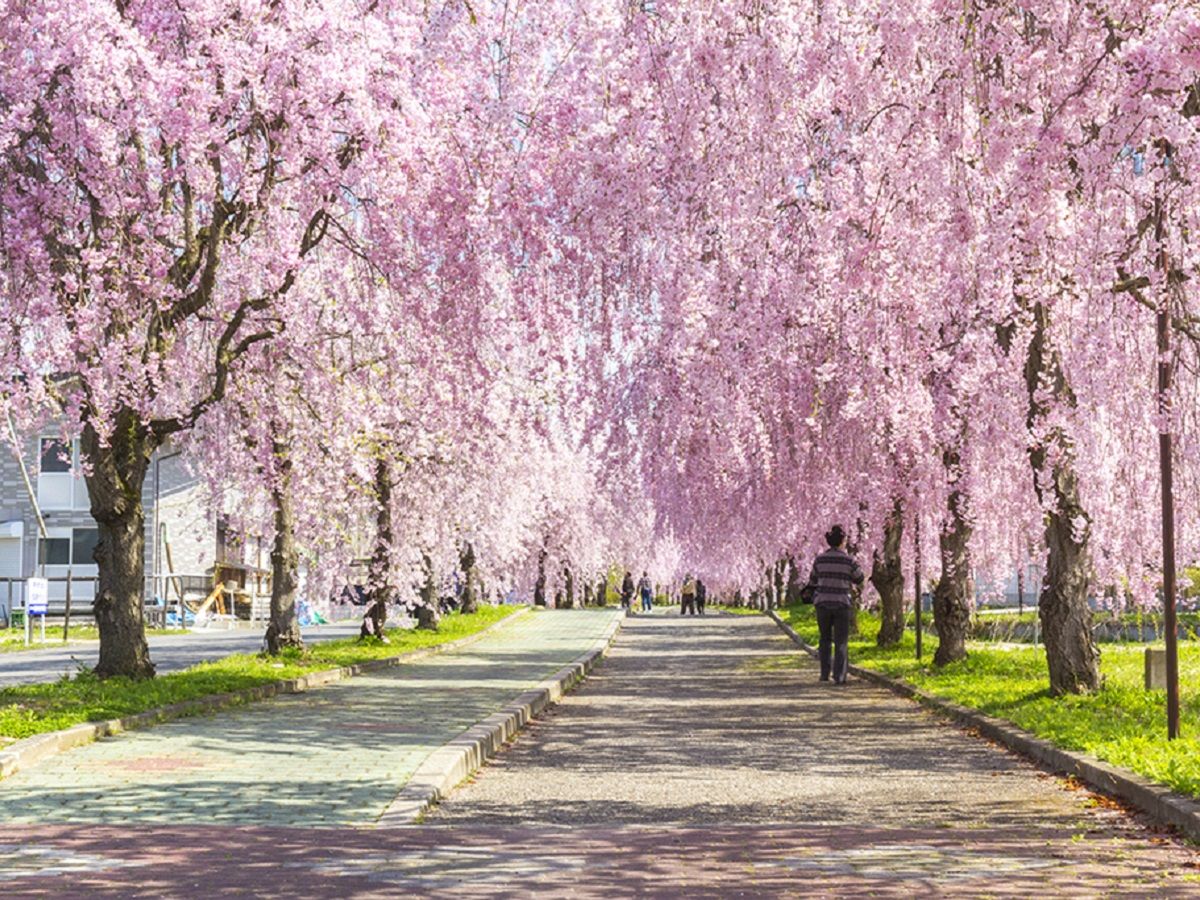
(37,596)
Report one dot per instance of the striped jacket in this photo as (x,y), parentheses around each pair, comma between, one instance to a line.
(833,574)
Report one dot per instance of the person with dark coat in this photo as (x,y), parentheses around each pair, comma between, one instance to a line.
(627,591)
(701,596)
(834,573)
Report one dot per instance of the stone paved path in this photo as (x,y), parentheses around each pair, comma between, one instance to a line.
(701,759)
(333,756)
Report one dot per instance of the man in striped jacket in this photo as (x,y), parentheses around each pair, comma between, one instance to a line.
(834,572)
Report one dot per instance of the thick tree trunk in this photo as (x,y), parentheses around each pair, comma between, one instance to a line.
(1071,653)
(428,616)
(602,591)
(887,575)
(470,591)
(588,593)
(379,580)
(539,587)
(284,628)
(952,596)
(117,471)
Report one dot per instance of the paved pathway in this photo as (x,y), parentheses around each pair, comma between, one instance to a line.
(170,652)
(701,759)
(333,756)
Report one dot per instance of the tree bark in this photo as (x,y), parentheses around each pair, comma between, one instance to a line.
(588,593)
(794,583)
(117,472)
(284,628)
(887,575)
(568,589)
(379,581)
(1071,652)
(428,616)
(539,587)
(952,596)
(602,591)
(470,592)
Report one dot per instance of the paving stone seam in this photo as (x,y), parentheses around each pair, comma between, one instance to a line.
(1161,803)
(31,750)
(449,765)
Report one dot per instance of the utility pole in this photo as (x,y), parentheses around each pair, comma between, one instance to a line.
(1165,464)
(917,571)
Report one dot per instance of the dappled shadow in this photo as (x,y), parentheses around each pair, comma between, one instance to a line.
(477,861)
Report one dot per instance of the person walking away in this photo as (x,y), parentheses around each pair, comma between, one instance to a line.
(701,596)
(688,597)
(627,591)
(834,573)
(647,592)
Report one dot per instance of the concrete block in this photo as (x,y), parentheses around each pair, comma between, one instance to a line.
(1156,669)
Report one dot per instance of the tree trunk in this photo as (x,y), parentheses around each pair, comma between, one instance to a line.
(952,596)
(428,616)
(887,575)
(470,592)
(115,476)
(1071,652)
(588,593)
(602,591)
(284,628)
(539,587)
(794,584)
(568,589)
(379,580)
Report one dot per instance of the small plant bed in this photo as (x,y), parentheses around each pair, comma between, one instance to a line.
(1122,723)
(27,710)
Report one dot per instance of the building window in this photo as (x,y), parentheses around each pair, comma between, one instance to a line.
(56,455)
(55,551)
(83,546)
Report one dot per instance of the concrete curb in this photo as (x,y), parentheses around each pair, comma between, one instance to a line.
(1159,802)
(450,764)
(26,752)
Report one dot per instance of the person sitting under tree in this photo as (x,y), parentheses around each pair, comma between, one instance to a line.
(834,573)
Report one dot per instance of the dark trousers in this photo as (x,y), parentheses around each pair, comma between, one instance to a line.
(834,624)
(688,605)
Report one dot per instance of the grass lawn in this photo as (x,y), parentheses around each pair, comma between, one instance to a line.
(32,709)
(1122,723)
(13,639)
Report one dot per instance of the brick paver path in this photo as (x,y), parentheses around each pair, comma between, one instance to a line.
(701,759)
(333,756)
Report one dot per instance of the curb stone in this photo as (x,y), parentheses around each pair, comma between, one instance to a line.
(31,750)
(447,766)
(1159,802)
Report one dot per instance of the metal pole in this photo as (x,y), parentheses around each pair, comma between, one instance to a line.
(917,573)
(1170,624)
(67,605)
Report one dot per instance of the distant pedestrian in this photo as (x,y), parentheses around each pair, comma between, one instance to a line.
(646,588)
(701,596)
(687,605)
(834,572)
(627,591)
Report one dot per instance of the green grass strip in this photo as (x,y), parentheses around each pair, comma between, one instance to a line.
(27,710)
(1122,723)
